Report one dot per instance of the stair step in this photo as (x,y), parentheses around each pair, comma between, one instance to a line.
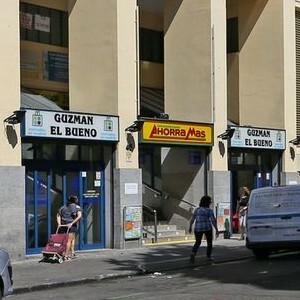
(165,227)
(169,233)
(163,240)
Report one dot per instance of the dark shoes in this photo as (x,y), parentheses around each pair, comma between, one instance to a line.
(192,258)
(242,238)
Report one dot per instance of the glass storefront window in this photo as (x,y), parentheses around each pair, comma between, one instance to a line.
(91,153)
(250,159)
(45,151)
(27,151)
(236,158)
(71,152)
(84,153)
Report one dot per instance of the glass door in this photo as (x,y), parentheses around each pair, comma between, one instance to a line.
(37,213)
(91,231)
(47,191)
(262,179)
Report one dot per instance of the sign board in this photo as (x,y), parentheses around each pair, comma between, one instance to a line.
(41,23)
(132,222)
(70,125)
(223,214)
(173,132)
(57,66)
(262,138)
(131,188)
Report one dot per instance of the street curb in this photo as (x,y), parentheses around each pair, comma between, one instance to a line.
(52,285)
(97,278)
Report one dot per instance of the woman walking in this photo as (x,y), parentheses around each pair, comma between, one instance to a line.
(205,221)
(241,209)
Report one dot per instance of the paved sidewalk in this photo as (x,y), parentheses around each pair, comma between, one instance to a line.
(30,274)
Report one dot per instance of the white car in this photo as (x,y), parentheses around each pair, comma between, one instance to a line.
(6,282)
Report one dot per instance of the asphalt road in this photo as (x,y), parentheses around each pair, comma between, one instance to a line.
(275,278)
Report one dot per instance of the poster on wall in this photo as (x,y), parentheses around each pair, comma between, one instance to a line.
(56,66)
(223,216)
(132,222)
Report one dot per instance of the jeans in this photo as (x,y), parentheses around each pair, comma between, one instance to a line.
(198,236)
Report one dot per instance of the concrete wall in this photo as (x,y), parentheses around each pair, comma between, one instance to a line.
(182,179)
(261,63)
(289,82)
(10,82)
(93,57)
(218,157)
(103,67)
(123,198)
(261,77)
(188,60)
(12,207)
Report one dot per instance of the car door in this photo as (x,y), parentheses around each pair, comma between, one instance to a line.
(288,218)
(261,219)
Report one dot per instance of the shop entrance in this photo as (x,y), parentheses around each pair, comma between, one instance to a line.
(47,190)
(253,169)
(262,179)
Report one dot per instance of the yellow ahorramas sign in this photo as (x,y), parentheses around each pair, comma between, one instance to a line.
(177,132)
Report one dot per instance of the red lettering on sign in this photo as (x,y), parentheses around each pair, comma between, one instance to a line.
(197,133)
(171,132)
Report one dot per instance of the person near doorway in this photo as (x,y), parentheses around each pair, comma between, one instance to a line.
(78,211)
(241,209)
(69,215)
(205,221)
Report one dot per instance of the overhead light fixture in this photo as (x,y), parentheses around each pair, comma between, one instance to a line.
(295,141)
(228,134)
(136,126)
(16,117)
(163,116)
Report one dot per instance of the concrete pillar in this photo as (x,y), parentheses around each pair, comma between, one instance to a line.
(10,146)
(12,185)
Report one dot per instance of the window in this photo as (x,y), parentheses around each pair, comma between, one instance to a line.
(232,35)
(151,45)
(43,25)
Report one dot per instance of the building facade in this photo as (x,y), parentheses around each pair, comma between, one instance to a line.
(139,103)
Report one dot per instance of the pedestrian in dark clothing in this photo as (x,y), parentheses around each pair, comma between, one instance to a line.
(241,210)
(205,221)
(69,215)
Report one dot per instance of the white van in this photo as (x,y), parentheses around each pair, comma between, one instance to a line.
(273,221)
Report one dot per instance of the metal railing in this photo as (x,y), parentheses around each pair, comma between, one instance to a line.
(149,210)
(151,213)
(155,192)
(187,202)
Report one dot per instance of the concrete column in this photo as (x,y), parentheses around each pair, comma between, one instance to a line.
(12,185)
(219,83)
(196,74)
(103,65)
(187,46)
(103,70)
(127,192)
(290,158)
(12,207)
(10,146)
(219,177)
